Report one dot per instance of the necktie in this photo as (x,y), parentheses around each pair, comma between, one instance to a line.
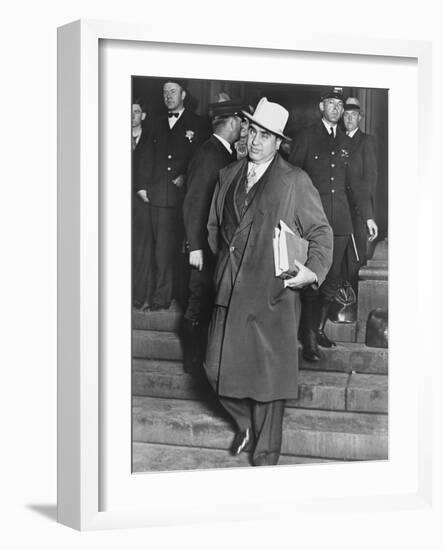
(171,115)
(332,134)
(251,179)
(134,142)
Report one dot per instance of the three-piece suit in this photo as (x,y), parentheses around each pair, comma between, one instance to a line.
(252,355)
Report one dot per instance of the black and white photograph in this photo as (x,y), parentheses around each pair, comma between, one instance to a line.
(259,273)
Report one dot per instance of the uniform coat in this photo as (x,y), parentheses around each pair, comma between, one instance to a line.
(167,156)
(325,160)
(254,353)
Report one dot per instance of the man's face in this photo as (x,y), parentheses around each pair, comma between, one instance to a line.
(262,144)
(351,120)
(173,96)
(332,109)
(137,115)
(244,127)
(237,125)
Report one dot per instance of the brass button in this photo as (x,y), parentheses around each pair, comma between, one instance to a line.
(332,152)
(169,168)
(231,248)
(169,156)
(332,165)
(332,178)
(332,190)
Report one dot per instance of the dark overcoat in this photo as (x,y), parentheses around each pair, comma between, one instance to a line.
(325,160)
(202,177)
(362,174)
(253,352)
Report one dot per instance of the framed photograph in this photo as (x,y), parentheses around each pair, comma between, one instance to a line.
(142,437)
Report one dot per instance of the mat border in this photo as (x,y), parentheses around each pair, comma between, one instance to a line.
(78,251)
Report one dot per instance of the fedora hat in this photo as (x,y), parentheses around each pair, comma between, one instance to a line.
(232,107)
(270,116)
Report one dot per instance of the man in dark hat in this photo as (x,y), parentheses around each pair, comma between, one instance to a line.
(252,356)
(323,151)
(175,136)
(362,177)
(202,176)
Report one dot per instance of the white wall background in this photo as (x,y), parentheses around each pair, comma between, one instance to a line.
(28,267)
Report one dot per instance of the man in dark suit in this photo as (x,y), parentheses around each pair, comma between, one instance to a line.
(175,136)
(252,359)
(141,227)
(202,176)
(362,177)
(323,151)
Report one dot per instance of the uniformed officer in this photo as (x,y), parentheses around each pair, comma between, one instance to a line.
(162,176)
(322,150)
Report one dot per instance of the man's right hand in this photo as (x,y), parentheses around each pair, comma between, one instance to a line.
(196,259)
(143,195)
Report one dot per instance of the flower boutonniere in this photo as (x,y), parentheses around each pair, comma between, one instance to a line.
(190,135)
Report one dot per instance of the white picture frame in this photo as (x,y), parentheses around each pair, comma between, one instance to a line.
(80,367)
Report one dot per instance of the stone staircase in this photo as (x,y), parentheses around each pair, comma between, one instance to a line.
(340,413)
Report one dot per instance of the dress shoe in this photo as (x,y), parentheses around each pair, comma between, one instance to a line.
(323,340)
(266,459)
(311,352)
(242,442)
(311,355)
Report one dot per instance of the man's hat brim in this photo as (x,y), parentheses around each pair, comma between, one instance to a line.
(272,130)
(224,109)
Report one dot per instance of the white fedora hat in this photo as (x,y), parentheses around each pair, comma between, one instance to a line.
(270,116)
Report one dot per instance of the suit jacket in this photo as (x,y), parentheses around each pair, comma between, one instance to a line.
(362,174)
(137,155)
(168,155)
(202,176)
(259,356)
(325,160)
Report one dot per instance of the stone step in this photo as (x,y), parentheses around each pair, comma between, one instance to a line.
(350,357)
(317,389)
(326,434)
(341,332)
(153,457)
(168,320)
(152,344)
(345,357)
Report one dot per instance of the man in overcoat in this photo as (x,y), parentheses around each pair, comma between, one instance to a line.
(252,357)
(322,150)
(362,177)
(175,135)
(213,155)
(141,224)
